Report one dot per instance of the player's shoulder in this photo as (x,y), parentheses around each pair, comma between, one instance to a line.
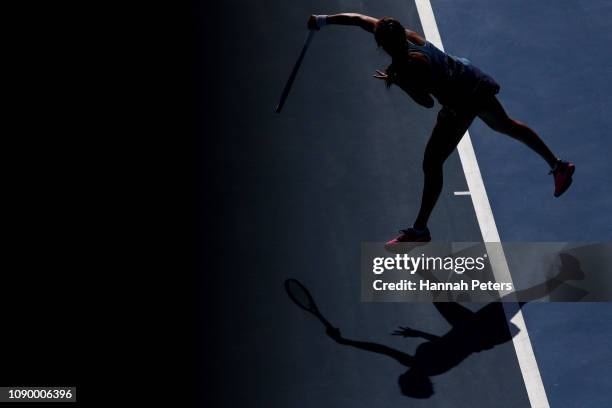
(415,38)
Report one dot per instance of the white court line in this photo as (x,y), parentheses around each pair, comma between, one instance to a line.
(460,193)
(522,343)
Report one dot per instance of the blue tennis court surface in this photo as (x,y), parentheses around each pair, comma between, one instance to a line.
(342,165)
(553,62)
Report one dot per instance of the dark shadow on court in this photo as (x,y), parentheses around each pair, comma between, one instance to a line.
(471,332)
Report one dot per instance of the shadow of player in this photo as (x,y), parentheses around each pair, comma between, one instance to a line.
(471,332)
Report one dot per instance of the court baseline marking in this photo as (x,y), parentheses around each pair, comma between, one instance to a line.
(522,344)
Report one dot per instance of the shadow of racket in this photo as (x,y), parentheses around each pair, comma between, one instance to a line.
(303,299)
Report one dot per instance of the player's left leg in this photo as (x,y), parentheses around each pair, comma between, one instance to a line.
(449,129)
(494,115)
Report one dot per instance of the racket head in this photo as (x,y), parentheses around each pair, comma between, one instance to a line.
(300,296)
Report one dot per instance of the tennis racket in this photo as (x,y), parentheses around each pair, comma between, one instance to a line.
(294,72)
(301,297)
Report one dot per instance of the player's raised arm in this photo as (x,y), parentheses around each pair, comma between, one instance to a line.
(315,22)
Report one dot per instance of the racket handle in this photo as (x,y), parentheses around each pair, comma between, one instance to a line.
(325,322)
(294,72)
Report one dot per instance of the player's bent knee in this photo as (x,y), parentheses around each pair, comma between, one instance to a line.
(506,126)
(512,126)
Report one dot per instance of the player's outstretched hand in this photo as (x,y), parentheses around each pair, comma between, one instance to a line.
(384,76)
(405,332)
(381,75)
(312,23)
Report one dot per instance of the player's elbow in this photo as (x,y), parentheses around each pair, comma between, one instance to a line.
(366,22)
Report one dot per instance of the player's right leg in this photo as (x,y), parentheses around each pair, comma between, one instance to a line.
(494,115)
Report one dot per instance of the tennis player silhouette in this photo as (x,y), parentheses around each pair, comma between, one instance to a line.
(465,92)
(471,332)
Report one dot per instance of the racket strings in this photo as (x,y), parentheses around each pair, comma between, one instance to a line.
(299,294)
